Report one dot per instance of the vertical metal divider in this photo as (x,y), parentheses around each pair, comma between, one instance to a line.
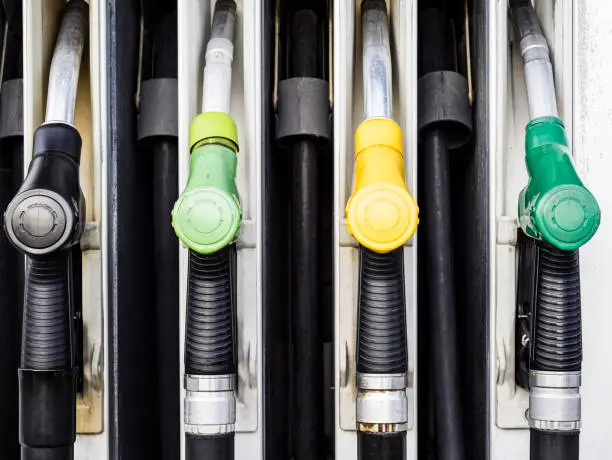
(41,20)
(508,115)
(248,111)
(347,114)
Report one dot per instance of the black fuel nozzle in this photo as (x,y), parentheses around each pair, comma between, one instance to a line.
(45,217)
(44,221)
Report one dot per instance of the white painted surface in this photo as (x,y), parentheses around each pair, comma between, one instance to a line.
(592,132)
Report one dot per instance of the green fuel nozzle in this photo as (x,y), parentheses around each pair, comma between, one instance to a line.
(555,205)
(207,215)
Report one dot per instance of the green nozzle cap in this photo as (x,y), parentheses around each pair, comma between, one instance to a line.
(555,205)
(209,125)
(207,215)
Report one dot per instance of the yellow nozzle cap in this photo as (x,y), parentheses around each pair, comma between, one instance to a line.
(381,214)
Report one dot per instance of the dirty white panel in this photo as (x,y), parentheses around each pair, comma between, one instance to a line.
(592,129)
(508,118)
(194,20)
(41,21)
(348,114)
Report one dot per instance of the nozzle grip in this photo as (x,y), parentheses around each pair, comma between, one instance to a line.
(555,205)
(381,213)
(207,215)
(46,214)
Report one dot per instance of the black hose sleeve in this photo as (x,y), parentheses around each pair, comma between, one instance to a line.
(165,48)
(381,446)
(11,292)
(305,311)
(547,445)
(214,447)
(164,151)
(557,343)
(381,342)
(47,407)
(437,255)
(47,321)
(209,334)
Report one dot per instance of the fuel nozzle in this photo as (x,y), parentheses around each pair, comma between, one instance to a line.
(44,220)
(381,213)
(207,215)
(45,216)
(555,205)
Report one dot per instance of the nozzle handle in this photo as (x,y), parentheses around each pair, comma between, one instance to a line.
(207,215)
(555,205)
(46,214)
(381,213)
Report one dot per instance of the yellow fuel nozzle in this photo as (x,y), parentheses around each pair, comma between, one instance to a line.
(381,213)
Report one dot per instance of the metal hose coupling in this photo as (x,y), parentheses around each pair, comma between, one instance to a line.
(556,352)
(382,405)
(554,401)
(210,404)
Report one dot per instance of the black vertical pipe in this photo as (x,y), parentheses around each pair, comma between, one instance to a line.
(308,428)
(11,286)
(164,150)
(437,251)
(11,262)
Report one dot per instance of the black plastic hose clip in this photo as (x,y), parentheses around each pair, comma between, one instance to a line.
(444,102)
(11,109)
(158,116)
(525,303)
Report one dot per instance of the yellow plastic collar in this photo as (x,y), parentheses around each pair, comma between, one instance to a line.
(381,214)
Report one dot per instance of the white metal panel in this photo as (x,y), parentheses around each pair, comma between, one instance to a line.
(592,131)
(247,105)
(348,114)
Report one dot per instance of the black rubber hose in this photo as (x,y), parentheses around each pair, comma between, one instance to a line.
(557,342)
(381,330)
(437,250)
(47,379)
(546,445)
(209,333)
(164,152)
(377,446)
(308,415)
(438,254)
(214,447)
(47,324)
(11,292)
(557,338)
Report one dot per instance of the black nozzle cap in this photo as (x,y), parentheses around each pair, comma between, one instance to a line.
(58,137)
(47,453)
(47,411)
